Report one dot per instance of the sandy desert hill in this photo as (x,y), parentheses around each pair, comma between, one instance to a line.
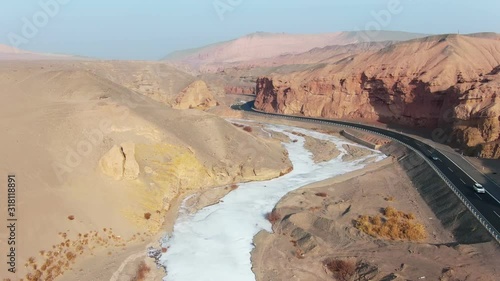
(240,77)
(445,81)
(85,147)
(98,145)
(267,45)
(158,81)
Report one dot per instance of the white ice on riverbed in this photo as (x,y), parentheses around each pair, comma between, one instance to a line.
(214,244)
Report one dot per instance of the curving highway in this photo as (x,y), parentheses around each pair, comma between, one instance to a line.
(459,174)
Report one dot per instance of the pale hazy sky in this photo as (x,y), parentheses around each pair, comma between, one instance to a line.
(150,29)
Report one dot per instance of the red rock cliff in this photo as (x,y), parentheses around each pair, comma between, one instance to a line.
(449,84)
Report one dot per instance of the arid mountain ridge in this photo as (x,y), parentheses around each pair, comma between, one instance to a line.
(262,45)
(445,82)
(448,82)
(105,153)
(12,53)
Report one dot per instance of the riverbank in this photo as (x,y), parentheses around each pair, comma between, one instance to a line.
(317,236)
(131,260)
(215,242)
(127,264)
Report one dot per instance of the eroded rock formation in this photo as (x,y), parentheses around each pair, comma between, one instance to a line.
(240,90)
(120,163)
(196,95)
(448,84)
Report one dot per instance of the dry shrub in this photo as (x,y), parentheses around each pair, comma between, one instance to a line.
(342,270)
(34,276)
(273,217)
(70,256)
(234,186)
(391,212)
(147,216)
(299,254)
(321,194)
(248,129)
(54,263)
(71,218)
(390,199)
(142,272)
(396,225)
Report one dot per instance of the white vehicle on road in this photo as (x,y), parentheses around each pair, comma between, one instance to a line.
(478,188)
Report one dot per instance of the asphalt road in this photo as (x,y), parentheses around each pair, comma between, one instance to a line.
(458,171)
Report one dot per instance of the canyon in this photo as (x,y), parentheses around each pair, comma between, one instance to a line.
(112,148)
(446,84)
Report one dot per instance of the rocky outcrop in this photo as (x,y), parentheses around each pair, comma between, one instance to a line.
(449,84)
(240,90)
(111,164)
(261,45)
(119,162)
(196,95)
(489,150)
(130,166)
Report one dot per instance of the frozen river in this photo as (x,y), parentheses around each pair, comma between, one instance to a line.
(214,244)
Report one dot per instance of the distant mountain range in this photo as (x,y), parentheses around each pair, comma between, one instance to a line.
(11,53)
(263,45)
(450,82)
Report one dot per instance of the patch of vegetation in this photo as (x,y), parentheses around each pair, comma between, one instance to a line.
(342,270)
(394,225)
(63,256)
(273,217)
(248,129)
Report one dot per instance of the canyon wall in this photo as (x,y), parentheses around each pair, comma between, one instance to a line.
(447,84)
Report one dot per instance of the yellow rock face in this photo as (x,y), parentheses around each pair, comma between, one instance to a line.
(130,166)
(172,166)
(167,171)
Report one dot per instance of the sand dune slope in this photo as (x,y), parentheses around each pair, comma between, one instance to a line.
(59,122)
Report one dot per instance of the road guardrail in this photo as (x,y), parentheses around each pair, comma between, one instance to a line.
(486,224)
